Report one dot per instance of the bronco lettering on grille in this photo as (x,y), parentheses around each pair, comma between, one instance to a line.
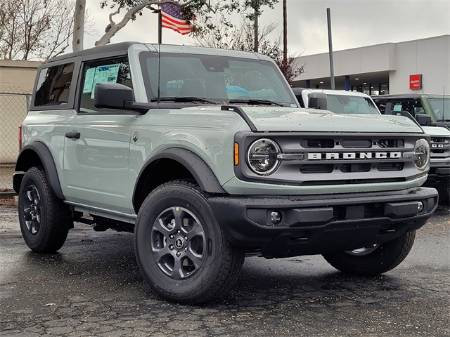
(353,155)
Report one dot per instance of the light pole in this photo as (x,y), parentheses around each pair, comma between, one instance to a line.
(285,37)
(330,47)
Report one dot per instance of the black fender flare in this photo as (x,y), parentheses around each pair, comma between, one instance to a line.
(201,172)
(45,156)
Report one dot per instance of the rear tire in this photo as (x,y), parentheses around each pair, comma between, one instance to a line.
(377,261)
(44,219)
(181,249)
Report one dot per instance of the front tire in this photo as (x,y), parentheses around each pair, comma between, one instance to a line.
(374,260)
(181,249)
(44,219)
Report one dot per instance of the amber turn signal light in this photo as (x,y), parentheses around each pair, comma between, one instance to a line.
(236,154)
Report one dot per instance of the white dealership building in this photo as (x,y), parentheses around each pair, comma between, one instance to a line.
(419,66)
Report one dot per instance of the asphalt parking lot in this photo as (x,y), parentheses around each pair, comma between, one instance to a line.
(93,288)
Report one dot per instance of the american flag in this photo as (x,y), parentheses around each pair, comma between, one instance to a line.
(172,18)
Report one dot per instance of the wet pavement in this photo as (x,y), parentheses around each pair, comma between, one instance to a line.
(93,288)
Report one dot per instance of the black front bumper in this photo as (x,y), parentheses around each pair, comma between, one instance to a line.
(323,223)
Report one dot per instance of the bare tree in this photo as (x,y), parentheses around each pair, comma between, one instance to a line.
(133,8)
(78,25)
(255,7)
(204,12)
(12,35)
(35,29)
(241,37)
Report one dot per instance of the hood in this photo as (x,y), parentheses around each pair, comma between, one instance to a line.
(443,124)
(311,120)
(436,131)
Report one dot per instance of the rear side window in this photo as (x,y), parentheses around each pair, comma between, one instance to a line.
(413,106)
(54,83)
(116,70)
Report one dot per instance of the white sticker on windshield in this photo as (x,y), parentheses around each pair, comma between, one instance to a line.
(397,108)
(105,74)
(88,81)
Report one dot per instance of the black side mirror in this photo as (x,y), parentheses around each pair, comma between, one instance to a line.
(113,96)
(317,101)
(423,119)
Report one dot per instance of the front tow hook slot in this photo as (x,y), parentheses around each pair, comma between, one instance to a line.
(403,209)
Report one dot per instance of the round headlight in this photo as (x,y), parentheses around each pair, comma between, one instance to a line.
(421,154)
(262,156)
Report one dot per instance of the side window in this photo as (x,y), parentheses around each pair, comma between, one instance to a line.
(116,70)
(381,104)
(54,83)
(413,106)
(418,107)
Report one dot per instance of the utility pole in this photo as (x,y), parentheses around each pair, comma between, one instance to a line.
(78,25)
(255,26)
(330,48)
(285,32)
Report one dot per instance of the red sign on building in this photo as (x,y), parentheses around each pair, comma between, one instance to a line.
(415,82)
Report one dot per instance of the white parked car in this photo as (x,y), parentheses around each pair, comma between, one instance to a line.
(350,102)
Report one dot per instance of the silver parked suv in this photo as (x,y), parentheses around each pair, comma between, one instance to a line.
(206,156)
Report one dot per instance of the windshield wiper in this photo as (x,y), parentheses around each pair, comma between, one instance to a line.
(254,101)
(184,99)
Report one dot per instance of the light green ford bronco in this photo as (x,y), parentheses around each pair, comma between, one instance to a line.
(206,156)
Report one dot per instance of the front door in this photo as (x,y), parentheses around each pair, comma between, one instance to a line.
(97,143)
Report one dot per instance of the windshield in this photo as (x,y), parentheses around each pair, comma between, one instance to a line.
(441,108)
(215,79)
(342,104)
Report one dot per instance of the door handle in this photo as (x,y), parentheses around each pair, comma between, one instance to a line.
(73,135)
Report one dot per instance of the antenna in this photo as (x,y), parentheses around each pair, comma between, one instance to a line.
(159,51)
(443,103)
(159,72)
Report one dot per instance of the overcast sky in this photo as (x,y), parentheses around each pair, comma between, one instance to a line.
(355,23)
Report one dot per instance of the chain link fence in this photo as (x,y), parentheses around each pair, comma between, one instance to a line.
(13,109)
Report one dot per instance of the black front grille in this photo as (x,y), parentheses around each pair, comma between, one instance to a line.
(312,159)
(390,143)
(307,169)
(440,146)
(351,160)
(390,166)
(438,139)
(319,143)
(356,143)
(355,167)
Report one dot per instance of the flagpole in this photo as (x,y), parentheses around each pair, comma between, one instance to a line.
(158,11)
(159,26)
